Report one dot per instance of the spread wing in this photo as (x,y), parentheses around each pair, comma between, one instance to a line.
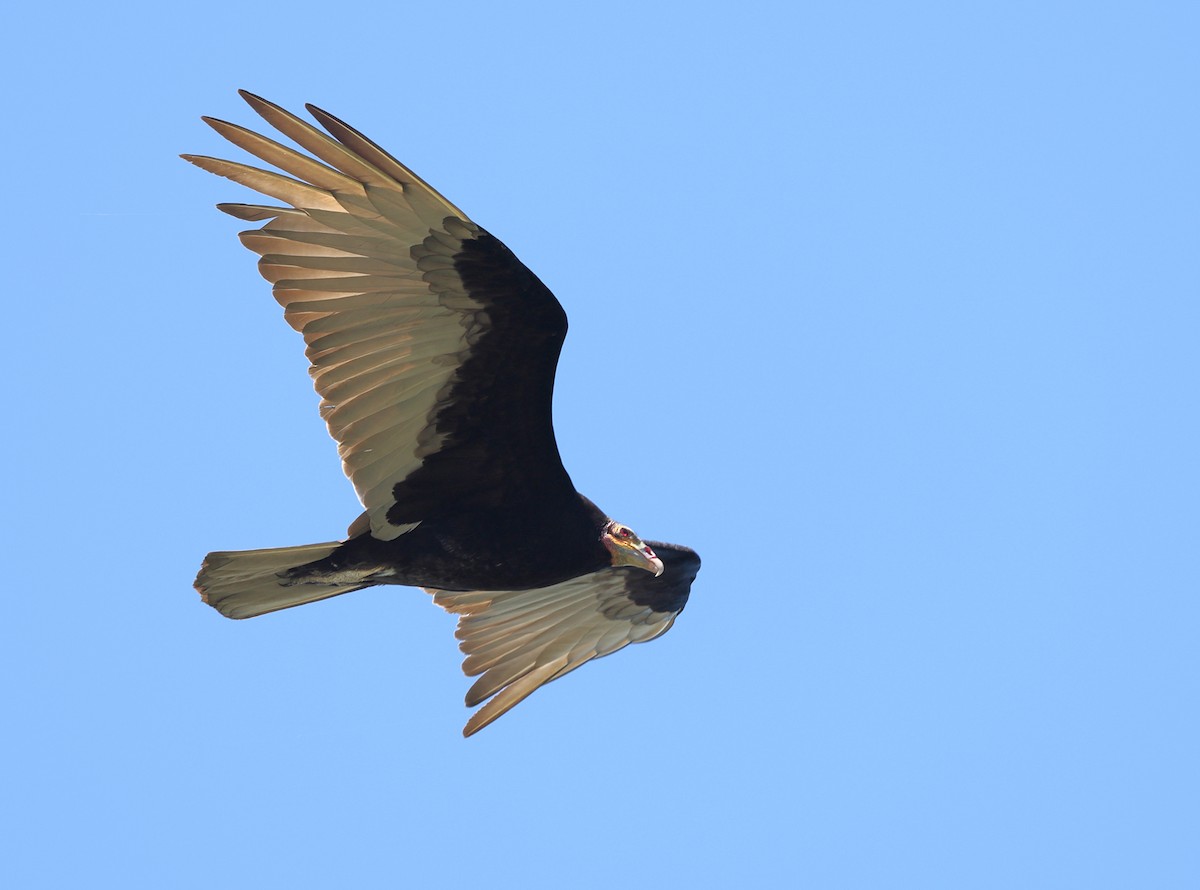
(516,641)
(433,347)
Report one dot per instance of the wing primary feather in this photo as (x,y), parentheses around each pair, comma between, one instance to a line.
(513,696)
(372,153)
(309,137)
(284,158)
(300,195)
(256,212)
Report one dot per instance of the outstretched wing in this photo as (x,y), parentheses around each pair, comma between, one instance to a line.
(522,639)
(433,347)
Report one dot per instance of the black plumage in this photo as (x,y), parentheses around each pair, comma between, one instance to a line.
(434,350)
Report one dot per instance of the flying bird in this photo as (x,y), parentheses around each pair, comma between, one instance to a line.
(433,349)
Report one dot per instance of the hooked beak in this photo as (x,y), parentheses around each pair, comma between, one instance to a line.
(653,563)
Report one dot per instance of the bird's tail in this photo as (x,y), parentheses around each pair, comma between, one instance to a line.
(245,583)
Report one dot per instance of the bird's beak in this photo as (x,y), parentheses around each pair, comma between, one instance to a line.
(645,558)
(653,563)
(633,552)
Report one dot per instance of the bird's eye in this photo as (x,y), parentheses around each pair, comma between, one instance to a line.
(624,533)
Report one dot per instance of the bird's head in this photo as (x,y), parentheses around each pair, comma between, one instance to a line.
(627,549)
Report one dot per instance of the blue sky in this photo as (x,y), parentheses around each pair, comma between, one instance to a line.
(910,296)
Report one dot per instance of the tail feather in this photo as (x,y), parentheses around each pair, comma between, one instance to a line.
(246,583)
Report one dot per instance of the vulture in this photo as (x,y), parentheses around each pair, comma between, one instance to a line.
(433,350)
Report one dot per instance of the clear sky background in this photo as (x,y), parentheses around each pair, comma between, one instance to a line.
(890,310)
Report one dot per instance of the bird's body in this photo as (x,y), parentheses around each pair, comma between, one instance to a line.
(476,550)
(434,351)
